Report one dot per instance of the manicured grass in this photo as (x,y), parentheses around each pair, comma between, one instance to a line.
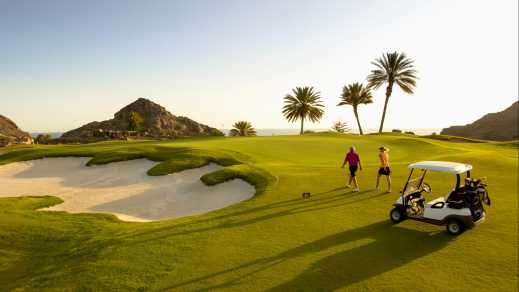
(257,177)
(454,139)
(275,241)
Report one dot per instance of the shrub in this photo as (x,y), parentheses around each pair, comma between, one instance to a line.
(135,122)
(242,128)
(216,132)
(42,139)
(340,127)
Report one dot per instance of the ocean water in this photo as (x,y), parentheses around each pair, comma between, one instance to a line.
(276,132)
(279,132)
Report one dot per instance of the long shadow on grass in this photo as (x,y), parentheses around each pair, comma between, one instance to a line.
(390,247)
(288,208)
(88,248)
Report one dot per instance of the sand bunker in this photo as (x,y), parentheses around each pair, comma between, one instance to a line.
(122,188)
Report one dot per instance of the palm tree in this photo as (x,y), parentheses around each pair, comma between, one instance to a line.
(242,128)
(392,68)
(354,95)
(303,103)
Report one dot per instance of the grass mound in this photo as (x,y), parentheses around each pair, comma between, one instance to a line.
(257,177)
(401,134)
(29,203)
(109,157)
(193,158)
(511,144)
(454,139)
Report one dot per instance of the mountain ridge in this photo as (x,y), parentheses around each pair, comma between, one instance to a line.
(10,133)
(499,126)
(156,122)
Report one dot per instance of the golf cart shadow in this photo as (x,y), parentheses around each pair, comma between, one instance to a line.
(387,247)
(390,248)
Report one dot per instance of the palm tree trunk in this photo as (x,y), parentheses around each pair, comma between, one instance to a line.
(389,89)
(302,122)
(358,121)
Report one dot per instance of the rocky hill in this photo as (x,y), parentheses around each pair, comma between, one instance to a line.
(153,121)
(500,126)
(11,134)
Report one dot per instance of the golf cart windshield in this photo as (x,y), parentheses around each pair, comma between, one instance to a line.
(414,181)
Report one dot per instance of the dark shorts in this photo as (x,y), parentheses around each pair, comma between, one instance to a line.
(384,171)
(353,170)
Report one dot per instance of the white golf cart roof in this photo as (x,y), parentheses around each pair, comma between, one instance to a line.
(442,166)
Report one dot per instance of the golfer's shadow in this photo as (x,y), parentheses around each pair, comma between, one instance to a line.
(387,247)
(284,208)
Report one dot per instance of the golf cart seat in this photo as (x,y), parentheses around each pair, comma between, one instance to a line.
(415,197)
(456,198)
(436,203)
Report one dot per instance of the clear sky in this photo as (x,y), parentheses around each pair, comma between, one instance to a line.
(65,63)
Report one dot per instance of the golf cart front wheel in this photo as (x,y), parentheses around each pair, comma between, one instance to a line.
(396,215)
(455,227)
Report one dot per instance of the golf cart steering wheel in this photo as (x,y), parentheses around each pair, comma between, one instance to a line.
(426,187)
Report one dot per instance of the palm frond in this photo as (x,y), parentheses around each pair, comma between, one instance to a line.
(393,68)
(242,128)
(303,103)
(355,94)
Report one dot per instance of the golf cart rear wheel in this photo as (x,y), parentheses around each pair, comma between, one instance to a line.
(455,227)
(396,215)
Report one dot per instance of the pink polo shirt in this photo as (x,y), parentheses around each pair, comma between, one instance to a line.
(352,158)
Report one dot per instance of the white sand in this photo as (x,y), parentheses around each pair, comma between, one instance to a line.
(122,188)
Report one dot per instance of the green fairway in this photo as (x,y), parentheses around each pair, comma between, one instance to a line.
(275,241)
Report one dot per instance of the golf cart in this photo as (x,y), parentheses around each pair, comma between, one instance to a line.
(462,208)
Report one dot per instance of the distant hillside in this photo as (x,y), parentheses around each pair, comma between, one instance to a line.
(500,126)
(157,122)
(11,134)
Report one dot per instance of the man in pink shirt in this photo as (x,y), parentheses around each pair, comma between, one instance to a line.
(353,159)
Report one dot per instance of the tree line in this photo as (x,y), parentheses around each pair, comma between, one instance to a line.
(305,103)
(392,68)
